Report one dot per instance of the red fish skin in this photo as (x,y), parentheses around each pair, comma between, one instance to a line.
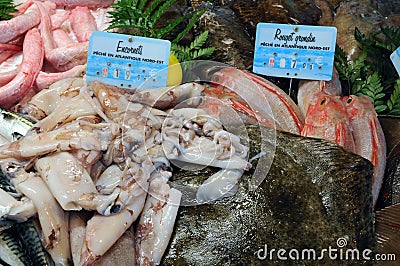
(308,90)
(368,136)
(327,119)
(250,93)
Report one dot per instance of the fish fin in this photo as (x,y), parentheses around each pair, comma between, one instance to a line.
(242,107)
(344,138)
(375,141)
(388,230)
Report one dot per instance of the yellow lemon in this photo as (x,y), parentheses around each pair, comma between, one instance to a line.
(174,71)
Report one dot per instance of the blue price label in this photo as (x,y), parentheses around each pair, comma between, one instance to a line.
(294,51)
(127,61)
(395,57)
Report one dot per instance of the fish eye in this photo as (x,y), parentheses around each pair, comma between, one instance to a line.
(216,78)
(349,100)
(324,101)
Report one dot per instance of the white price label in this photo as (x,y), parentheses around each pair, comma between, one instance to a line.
(295,51)
(395,57)
(127,61)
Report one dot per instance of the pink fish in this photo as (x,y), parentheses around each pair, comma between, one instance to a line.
(19,86)
(88,3)
(327,119)
(8,50)
(308,90)
(82,23)
(12,28)
(251,94)
(368,137)
(61,58)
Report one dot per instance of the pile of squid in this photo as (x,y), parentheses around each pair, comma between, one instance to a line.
(107,152)
(44,42)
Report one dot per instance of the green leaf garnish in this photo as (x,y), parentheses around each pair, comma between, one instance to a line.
(394,101)
(7,7)
(372,73)
(140,17)
(193,50)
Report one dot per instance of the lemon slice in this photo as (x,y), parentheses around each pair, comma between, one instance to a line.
(174,71)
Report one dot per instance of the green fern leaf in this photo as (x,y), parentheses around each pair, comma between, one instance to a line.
(157,14)
(203,53)
(391,34)
(168,28)
(379,102)
(380,109)
(394,99)
(199,41)
(7,7)
(154,4)
(141,4)
(380,96)
(362,39)
(196,15)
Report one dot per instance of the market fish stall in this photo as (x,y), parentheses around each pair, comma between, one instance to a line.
(221,166)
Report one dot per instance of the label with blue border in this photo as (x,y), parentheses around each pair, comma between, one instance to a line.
(127,61)
(395,57)
(294,51)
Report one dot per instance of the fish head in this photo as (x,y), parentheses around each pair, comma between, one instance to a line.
(327,119)
(226,77)
(358,106)
(327,110)
(223,84)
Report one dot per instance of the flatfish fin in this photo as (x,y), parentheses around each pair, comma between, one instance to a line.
(388,230)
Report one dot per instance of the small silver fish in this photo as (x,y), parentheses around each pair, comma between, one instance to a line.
(12,125)
(11,250)
(30,238)
(7,186)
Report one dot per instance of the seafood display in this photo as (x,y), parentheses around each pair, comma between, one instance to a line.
(108,152)
(214,170)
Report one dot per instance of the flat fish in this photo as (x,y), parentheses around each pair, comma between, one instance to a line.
(314,194)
